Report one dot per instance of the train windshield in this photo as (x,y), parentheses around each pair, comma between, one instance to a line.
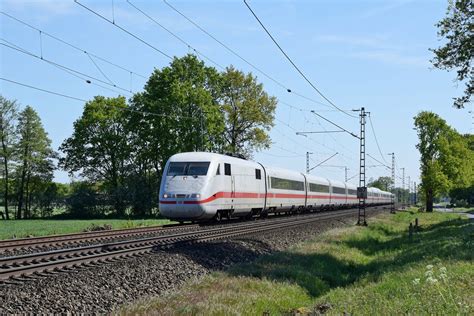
(188,168)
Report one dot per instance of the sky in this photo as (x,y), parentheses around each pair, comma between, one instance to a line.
(372,53)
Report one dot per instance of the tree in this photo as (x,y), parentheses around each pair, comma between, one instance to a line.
(183,98)
(99,148)
(383,183)
(458,53)
(8,136)
(446,160)
(249,112)
(35,157)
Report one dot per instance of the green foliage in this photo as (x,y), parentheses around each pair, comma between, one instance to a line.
(99,147)
(458,53)
(8,138)
(35,160)
(44,227)
(374,270)
(446,160)
(383,183)
(249,112)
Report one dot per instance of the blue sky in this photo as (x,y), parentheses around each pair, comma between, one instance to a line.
(359,53)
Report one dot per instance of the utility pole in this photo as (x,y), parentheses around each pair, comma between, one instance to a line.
(392,207)
(362,189)
(345,173)
(409,189)
(414,192)
(307,161)
(403,186)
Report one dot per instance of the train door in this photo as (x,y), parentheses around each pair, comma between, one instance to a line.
(230,185)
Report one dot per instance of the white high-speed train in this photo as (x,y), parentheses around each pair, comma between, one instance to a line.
(202,186)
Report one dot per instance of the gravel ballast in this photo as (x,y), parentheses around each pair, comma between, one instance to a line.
(103,288)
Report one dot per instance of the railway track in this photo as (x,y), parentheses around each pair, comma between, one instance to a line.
(76,238)
(64,259)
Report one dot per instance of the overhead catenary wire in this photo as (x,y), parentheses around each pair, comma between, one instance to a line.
(376,140)
(83,100)
(174,34)
(124,30)
(338,126)
(67,69)
(294,65)
(245,60)
(103,59)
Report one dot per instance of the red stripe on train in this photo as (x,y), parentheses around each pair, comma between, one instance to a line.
(251,195)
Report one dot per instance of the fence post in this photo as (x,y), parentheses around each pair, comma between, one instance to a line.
(410,231)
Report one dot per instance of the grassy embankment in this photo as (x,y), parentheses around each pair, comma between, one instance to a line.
(43,227)
(356,270)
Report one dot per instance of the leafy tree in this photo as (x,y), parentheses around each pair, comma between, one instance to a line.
(85,200)
(383,183)
(183,98)
(35,157)
(249,112)
(8,136)
(458,53)
(99,148)
(446,160)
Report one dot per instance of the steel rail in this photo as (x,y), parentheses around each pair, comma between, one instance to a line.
(56,240)
(65,258)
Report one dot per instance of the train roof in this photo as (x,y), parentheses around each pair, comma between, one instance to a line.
(206,156)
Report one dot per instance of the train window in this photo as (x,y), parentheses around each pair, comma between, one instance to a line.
(218,172)
(188,168)
(338,190)
(352,192)
(313,187)
(258,174)
(227,170)
(285,184)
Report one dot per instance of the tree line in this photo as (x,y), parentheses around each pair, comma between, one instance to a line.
(119,147)
(447,161)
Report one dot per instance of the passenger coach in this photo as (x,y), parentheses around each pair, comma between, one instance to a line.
(202,186)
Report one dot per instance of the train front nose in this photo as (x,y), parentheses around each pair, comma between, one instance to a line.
(181,193)
(179,210)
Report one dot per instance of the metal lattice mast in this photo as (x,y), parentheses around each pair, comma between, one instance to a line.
(362,194)
(403,186)
(409,190)
(307,161)
(392,208)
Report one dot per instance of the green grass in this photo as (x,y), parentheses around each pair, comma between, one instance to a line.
(356,270)
(43,227)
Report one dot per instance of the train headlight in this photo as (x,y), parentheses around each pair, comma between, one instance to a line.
(168,195)
(195,195)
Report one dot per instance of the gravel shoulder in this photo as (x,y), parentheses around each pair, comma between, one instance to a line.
(104,288)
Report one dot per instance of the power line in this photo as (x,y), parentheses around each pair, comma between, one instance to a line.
(232,51)
(124,30)
(378,161)
(43,90)
(338,126)
(82,100)
(294,65)
(173,34)
(72,45)
(65,68)
(376,140)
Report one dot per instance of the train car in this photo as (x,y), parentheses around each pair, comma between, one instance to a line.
(318,193)
(352,199)
(202,186)
(286,191)
(338,194)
